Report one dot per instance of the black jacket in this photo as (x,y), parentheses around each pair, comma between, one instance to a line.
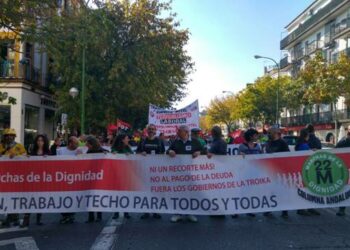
(187,148)
(314,142)
(218,147)
(345,143)
(147,145)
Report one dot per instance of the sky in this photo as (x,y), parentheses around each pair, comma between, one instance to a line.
(225,36)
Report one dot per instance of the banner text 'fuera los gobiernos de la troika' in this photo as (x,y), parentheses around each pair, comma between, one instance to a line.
(221,185)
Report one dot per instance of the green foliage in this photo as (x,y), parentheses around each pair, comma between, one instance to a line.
(20,18)
(340,72)
(258,102)
(223,110)
(318,83)
(134,56)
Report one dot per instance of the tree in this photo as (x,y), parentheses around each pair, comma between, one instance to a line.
(135,56)
(223,110)
(205,123)
(318,82)
(340,72)
(19,19)
(257,102)
(22,16)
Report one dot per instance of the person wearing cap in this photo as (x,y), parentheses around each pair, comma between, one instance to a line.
(184,145)
(9,147)
(195,134)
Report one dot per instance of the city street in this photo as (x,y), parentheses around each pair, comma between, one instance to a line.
(312,232)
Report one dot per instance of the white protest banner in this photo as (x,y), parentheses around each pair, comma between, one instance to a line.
(221,185)
(167,121)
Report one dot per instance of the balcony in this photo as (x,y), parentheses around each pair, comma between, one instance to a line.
(339,29)
(335,56)
(313,46)
(343,114)
(311,22)
(299,54)
(301,120)
(284,62)
(9,71)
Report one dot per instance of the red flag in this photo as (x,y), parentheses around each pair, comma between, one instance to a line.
(123,125)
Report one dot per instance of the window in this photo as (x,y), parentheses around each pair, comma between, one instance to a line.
(5,117)
(31,124)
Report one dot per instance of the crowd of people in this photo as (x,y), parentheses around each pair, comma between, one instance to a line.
(187,142)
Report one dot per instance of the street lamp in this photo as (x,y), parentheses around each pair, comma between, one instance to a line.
(73,92)
(278,84)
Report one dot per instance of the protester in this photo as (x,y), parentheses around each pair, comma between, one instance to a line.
(82,140)
(94,147)
(9,147)
(303,143)
(314,142)
(218,145)
(121,146)
(276,144)
(330,139)
(151,145)
(56,145)
(71,149)
(40,148)
(249,147)
(184,145)
(239,139)
(195,134)
(344,143)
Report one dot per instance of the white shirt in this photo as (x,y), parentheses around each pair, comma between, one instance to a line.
(66,151)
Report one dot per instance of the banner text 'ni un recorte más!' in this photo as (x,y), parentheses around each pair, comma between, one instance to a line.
(181,185)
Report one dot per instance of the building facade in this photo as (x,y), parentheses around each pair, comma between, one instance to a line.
(323,26)
(24,75)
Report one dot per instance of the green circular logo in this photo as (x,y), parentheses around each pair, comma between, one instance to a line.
(324,173)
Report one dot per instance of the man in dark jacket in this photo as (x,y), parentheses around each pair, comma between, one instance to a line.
(218,146)
(185,146)
(314,142)
(151,145)
(276,144)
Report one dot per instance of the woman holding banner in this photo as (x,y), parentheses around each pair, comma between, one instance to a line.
(250,147)
(40,148)
(303,144)
(121,146)
(94,147)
